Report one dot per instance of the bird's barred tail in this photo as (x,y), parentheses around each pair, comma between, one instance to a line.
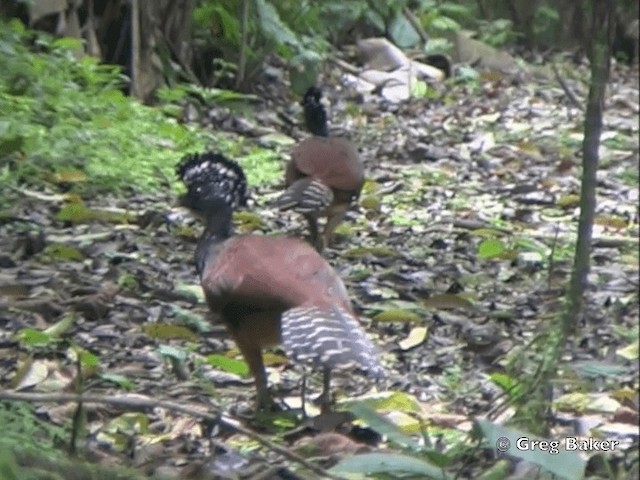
(306,196)
(328,337)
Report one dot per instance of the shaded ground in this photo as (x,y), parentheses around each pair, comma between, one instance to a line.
(470,194)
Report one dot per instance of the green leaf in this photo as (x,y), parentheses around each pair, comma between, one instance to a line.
(67,43)
(507,383)
(32,337)
(75,212)
(272,25)
(120,380)
(403,33)
(398,315)
(565,464)
(167,331)
(231,365)
(396,401)
(88,359)
(11,144)
(58,251)
(394,464)
(62,326)
(491,248)
(445,24)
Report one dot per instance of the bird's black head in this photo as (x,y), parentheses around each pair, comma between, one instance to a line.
(315,115)
(212,181)
(312,95)
(215,187)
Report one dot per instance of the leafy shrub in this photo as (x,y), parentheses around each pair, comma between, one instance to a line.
(58,112)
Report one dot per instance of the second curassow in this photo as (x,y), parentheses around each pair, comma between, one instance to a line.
(324,176)
(269,289)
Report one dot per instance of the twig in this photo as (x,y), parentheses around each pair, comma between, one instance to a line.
(141,401)
(345,66)
(568,92)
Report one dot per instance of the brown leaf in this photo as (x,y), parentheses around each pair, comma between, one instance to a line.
(328,444)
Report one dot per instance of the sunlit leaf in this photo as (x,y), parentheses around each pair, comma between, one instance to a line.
(75,213)
(88,359)
(568,201)
(507,383)
(58,251)
(231,365)
(630,352)
(398,315)
(416,336)
(491,248)
(167,331)
(69,176)
(611,221)
(32,337)
(68,43)
(30,374)
(62,326)
(394,401)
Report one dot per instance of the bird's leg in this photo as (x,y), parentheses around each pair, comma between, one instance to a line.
(253,356)
(325,397)
(314,235)
(336,216)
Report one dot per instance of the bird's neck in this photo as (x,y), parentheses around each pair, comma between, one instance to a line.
(315,118)
(219,228)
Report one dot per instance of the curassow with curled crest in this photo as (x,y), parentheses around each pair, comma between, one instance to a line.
(324,176)
(269,289)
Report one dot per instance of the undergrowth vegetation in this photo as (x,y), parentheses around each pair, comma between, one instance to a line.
(67,120)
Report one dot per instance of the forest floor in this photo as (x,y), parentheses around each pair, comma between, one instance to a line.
(459,255)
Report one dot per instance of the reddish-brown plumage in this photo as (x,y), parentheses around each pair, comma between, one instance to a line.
(269,290)
(333,161)
(253,279)
(270,273)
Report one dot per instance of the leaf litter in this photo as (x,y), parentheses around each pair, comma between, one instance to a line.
(461,262)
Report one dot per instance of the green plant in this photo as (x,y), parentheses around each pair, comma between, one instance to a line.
(59,113)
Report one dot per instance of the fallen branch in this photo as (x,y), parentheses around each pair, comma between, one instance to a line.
(345,66)
(567,90)
(195,410)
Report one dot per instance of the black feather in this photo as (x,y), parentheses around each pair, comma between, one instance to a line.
(216,186)
(211,178)
(315,115)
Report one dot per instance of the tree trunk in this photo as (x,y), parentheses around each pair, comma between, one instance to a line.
(165,34)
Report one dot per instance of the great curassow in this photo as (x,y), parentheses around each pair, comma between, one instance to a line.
(269,289)
(325,174)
